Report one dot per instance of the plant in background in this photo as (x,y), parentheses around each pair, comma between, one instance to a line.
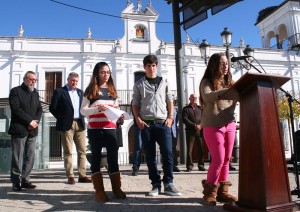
(284,109)
(284,114)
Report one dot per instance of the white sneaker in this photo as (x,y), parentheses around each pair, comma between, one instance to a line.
(155,191)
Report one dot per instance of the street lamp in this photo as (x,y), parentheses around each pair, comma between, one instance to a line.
(248,51)
(204,50)
(226,38)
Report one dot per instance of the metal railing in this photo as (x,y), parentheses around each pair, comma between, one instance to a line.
(125,158)
(45,95)
(288,43)
(125,96)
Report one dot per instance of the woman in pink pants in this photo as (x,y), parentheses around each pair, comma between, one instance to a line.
(218,123)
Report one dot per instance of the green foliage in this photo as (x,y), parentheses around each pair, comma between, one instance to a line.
(284,109)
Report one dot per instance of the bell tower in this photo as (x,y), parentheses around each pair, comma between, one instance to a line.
(279,26)
(139,29)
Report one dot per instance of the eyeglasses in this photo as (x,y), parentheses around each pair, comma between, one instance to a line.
(32,79)
(105,72)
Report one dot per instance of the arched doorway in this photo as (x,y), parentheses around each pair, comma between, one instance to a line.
(137,75)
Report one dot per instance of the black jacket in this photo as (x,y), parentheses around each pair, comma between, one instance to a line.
(190,117)
(62,109)
(25,107)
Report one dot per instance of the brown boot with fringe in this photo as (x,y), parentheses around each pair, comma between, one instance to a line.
(210,193)
(223,195)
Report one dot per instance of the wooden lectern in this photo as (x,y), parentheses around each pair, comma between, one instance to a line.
(263,177)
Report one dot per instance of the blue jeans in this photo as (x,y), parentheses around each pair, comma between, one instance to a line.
(162,135)
(99,138)
(136,159)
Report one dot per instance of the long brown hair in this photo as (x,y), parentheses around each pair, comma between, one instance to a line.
(213,73)
(92,90)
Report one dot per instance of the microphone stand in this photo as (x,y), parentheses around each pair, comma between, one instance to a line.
(296,191)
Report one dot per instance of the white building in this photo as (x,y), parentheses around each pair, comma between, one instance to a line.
(54,58)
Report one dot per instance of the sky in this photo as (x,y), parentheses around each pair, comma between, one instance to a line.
(50,19)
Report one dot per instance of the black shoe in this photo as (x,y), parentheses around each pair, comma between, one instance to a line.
(175,169)
(71,181)
(16,187)
(189,169)
(84,180)
(28,185)
(231,168)
(135,173)
(201,168)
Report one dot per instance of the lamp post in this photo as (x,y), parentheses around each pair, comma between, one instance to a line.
(204,50)
(226,38)
(248,51)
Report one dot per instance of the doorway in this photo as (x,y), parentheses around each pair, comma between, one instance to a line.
(53,80)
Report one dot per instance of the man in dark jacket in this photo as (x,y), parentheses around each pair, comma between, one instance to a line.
(174,132)
(26,112)
(65,107)
(191,117)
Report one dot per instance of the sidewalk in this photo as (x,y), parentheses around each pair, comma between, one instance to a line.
(53,194)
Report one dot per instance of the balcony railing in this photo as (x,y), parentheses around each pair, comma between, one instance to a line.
(125,96)
(45,95)
(289,43)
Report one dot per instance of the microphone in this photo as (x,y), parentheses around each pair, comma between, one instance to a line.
(234,59)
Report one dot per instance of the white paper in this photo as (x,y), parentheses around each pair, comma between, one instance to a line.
(114,114)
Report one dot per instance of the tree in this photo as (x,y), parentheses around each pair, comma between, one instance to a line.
(284,109)
(284,114)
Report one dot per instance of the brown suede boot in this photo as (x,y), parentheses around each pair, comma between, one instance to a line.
(222,194)
(210,193)
(115,179)
(97,180)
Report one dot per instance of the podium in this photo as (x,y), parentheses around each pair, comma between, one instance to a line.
(263,177)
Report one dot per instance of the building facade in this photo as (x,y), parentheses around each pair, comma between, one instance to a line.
(54,58)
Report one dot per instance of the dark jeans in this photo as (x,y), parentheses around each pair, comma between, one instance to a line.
(175,155)
(23,152)
(190,138)
(136,158)
(99,138)
(162,135)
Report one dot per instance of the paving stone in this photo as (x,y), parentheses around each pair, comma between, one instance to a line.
(54,194)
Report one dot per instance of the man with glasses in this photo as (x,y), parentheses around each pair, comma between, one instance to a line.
(65,107)
(191,117)
(26,112)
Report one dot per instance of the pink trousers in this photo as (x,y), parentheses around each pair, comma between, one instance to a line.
(220,141)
